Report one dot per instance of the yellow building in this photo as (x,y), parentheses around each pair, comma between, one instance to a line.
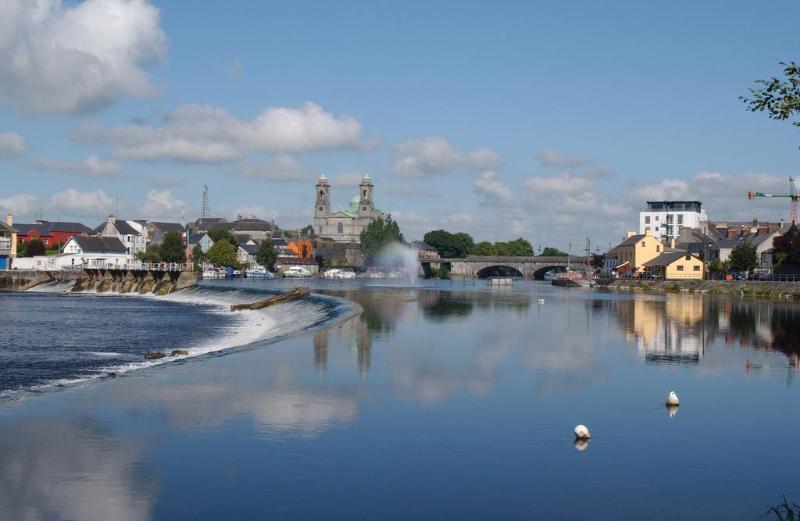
(675,265)
(637,249)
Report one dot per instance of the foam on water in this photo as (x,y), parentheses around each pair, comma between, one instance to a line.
(248,327)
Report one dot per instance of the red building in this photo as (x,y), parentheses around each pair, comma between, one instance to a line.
(50,233)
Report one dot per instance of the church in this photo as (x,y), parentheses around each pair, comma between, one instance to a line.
(344,225)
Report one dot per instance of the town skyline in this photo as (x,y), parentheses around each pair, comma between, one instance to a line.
(574,146)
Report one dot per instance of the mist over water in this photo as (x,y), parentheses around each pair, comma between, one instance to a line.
(399,259)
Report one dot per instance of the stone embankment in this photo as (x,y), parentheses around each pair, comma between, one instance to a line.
(20,280)
(737,288)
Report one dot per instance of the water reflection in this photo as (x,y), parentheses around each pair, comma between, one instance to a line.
(679,328)
(71,469)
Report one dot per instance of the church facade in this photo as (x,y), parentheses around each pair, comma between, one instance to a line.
(345,225)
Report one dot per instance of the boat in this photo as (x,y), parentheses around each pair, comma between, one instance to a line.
(258,272)
(296,272)
(213,273)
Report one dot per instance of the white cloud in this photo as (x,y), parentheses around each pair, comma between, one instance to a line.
(161,205)
(458,218)
(19,204)
(11,145)
(76,57)
(348,179)
(202,134)
(71,202)
(252,210)
(493,191)
(92,166)
(665,190)
(436,156)
(550,159)
(559,184)
(281,168)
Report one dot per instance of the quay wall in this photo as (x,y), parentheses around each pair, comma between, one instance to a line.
(106,280)
(737,288)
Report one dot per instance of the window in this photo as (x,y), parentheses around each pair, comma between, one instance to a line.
(647,219)
(680,267)
(656,217)
(696,268)
(680,218)
(658,249)
(643,244)
(340,228)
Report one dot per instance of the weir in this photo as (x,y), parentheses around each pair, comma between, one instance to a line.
(102,280)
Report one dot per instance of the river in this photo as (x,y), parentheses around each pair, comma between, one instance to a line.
(445,401)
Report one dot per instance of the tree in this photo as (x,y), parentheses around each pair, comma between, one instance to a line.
(22,249)
(549,251)
(744,257)
(198,256)
(379,233)
(787,247)
(450,245)
(172,249)
(222,254)
(484,249)
(307,231)
(266,254)
(35,247)
(152,255)
(220,234)
(780,98)
(516,248)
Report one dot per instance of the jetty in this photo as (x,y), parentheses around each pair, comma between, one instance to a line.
(292,294)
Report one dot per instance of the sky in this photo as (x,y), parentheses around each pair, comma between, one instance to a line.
(550,121)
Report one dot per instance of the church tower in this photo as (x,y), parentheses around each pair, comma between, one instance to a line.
(366,207)
(322,206)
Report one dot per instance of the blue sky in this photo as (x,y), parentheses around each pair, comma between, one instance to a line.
(536,119)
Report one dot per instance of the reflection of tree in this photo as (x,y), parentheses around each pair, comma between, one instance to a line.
(441,305)
(786,332)
(742,323)
(381,308)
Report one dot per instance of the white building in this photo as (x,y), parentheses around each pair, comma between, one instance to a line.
(133,234)
(81,253)
(665,219)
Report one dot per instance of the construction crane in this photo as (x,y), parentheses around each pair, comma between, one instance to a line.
(792,196)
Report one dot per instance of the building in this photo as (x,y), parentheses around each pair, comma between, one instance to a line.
(246,254)
(632,253)
(51,233)
(345,225)
(304,248)
(425,251)
(675,265)
(665,219)
(130,233)
(251,228)
(95,252)
(157,230)
(8,243)
(698,243)
(205,224)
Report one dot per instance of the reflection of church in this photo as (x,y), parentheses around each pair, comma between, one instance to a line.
(344,225)
(357,337)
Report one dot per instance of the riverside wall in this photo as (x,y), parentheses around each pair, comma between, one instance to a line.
(737,288)
(107,280)
(20,280)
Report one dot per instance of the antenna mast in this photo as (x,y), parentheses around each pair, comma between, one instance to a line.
(204,209)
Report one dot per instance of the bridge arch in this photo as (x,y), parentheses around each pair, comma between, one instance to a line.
(499,270)
(540,272)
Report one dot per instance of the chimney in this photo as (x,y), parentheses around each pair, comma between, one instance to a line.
(629,234)
(672,243)
(10,219)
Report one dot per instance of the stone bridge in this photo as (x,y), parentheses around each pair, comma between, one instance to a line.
(525,267)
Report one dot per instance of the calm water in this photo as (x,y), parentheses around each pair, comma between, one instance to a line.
(454,402)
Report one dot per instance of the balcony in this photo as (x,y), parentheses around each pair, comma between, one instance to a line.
(5,246)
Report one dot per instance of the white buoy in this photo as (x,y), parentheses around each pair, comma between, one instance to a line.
(582,432)
(672,410)
(672,399)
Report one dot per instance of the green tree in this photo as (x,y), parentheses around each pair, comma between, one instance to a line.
(516,248)
(22,249)
(378,234)
(484,249)
(152,255)
(172,248)
(266,254)
(744,257)
(716,266)
(778,97)
(35,247)
(787,247)
(198,256)
(307,231)
(220,234)
(549,251)
(450,245)
(222,254)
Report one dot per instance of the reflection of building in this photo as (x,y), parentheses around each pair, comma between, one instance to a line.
(356,336)
(671,331)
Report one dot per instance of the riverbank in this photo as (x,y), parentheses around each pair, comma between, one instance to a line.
(740,288)
(120,281)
